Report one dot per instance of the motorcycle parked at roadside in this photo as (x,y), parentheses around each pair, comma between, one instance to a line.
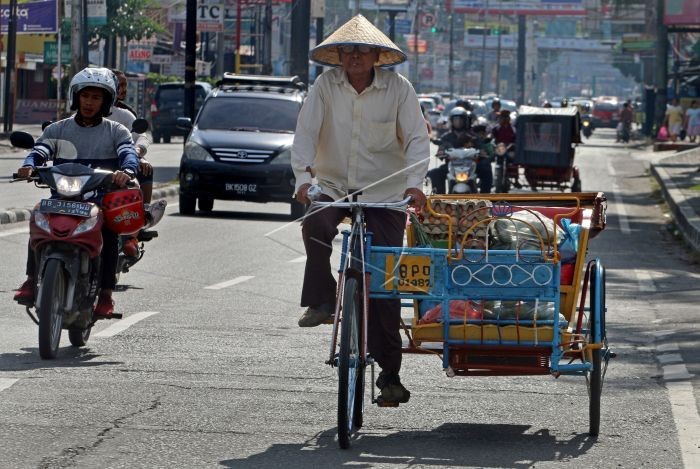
(65,235)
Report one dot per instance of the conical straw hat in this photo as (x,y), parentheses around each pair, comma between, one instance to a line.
(357,31)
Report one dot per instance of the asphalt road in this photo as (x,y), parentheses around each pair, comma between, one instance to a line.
(221,376)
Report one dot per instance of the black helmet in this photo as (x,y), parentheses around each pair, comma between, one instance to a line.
(495,101)
(479,127)
(463,103)
(564,102)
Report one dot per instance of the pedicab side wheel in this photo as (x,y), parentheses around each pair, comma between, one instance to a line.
(596,328)
(350,367)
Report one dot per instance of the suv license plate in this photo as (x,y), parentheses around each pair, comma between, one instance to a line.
(66,207)
(242,188)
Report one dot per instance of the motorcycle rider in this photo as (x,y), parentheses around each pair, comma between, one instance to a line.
(492,117)
(90,139)
(459,136)
(123,114)
(484,171)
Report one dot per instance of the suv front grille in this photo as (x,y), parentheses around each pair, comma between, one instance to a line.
(242,155)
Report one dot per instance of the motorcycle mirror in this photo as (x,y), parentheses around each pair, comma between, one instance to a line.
(21,139)
(436,141)
(45,124)
(139,126)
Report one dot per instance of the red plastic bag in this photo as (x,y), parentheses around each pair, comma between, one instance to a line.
(663,134)
(458,310)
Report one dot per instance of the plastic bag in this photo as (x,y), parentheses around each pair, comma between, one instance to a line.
(568,248)
(459,309)
(525,310)
(514,232)
(663,134)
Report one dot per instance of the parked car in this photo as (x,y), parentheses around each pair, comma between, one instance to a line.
(168,104)
(239,146)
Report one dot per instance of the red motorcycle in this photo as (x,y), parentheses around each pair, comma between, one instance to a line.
(65,235)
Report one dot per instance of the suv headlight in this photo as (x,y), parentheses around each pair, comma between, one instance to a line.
(196,152)
(285,157)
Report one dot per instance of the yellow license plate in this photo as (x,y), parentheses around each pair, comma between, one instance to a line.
(413,273)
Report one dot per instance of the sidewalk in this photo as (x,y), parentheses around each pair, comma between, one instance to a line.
(679,179)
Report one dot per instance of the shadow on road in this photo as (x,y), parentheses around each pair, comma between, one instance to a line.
(224,214)
(449,445)
(68,357)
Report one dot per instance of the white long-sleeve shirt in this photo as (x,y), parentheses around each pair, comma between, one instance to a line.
(126,118)
(375,141)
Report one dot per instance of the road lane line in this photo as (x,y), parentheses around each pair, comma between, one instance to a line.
(644,280)
(124,324)
(619,206)
(298,260)
(7,382)
(229,283)
(14,231)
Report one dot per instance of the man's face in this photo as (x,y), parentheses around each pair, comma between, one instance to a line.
(358,60)
(121,89)
(90,101)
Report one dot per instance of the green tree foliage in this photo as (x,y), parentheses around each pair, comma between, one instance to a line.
(127,19)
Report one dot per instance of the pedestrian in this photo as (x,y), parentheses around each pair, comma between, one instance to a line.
(692,120)
(360,129)
(674,119)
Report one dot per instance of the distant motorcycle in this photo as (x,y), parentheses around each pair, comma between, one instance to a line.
(505,167)
(587,126)
(461,170)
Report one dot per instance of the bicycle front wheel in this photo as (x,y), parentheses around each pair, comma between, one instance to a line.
(350,365)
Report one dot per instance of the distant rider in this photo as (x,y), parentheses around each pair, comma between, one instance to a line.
(459,136)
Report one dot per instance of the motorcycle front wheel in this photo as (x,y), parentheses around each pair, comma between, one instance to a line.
(50,308)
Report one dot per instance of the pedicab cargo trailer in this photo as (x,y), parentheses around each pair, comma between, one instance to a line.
(545,146)
(497,287)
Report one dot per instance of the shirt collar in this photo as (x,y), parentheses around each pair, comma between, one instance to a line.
(379,81)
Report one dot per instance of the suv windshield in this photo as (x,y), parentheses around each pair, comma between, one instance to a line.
(254,114)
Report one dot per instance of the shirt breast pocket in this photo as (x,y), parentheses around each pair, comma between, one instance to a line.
(381,136)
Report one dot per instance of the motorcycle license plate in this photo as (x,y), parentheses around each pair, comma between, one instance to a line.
(413,273)
(242,189)
(65,207)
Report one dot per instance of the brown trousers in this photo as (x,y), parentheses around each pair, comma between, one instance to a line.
(384,319)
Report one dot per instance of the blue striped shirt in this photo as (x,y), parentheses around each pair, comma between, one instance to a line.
(107,145)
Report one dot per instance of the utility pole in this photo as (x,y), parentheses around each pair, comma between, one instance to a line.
(301,19)
(498,58)
(10,75)
(521,59)
(190,56)
(76,11)
(267,35)
(318,11)
(483,53)
(416,34)
(661,64)
(450,67)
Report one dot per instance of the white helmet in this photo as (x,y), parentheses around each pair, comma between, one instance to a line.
(97,77)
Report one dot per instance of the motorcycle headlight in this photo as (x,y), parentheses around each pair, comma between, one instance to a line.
(41,221)
(461,177)
(196,152)
(586,123)
(285,157)
(69,186)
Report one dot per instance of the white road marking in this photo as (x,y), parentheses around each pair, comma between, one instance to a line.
(14,231)
(619,206)
(7,382)
(645,280)
(682,399)
(298,260)
(124,324)
(229,283)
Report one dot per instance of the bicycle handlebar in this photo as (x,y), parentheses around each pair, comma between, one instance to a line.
(400,204)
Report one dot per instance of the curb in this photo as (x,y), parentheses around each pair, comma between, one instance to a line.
(686,218)
(22,214)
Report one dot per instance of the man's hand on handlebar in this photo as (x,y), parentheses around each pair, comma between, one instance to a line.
(24,172)
(302,194)
(146,167)
(418,199)
(120,178)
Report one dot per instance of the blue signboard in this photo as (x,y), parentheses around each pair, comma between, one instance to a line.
(32,18)
(400,26)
